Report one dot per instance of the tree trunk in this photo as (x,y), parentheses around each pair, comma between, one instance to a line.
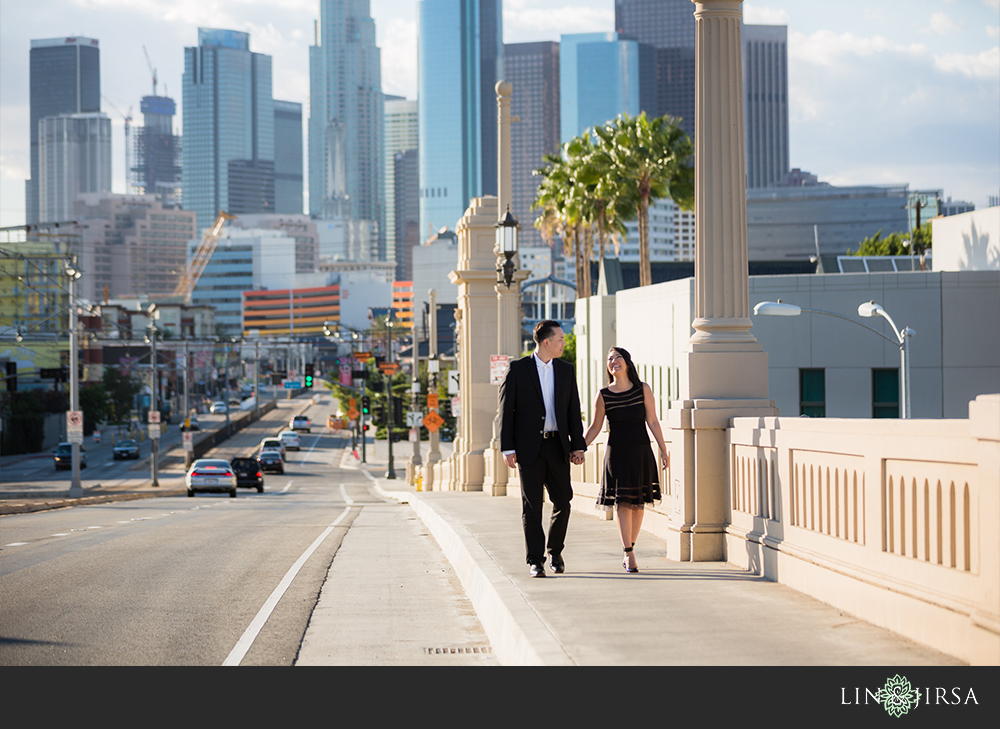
(587,236)
(645,273)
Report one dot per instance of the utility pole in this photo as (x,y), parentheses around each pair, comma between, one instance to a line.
(154,443)
(76,487)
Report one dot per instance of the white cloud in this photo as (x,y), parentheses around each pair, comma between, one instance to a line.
(985,65)
(523,23)
(993,31)
(943,24)
(398,43)
(760,15)
(826,48)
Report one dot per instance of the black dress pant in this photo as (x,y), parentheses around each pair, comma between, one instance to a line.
(550,470)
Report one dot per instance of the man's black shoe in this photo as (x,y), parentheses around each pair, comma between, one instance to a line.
(558,566)
(537,570)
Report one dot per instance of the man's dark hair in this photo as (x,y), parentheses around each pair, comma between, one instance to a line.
(543,330)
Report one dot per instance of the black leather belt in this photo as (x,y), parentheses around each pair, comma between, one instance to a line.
(550,433)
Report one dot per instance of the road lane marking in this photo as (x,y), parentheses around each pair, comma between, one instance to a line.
(343,492)
(253,630)
(15,544)
(287,486)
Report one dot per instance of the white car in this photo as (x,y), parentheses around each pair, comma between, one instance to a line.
(290,439)
(218,407)
(300,422)
(211,475)
(272,444)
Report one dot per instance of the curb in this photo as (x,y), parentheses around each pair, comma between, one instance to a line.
(518,636)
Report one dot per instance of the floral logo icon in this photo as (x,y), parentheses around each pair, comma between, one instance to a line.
(897,696)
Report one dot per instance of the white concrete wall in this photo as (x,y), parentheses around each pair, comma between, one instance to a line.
(955,355)
(967,242)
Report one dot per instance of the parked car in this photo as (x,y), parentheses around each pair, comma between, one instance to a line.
(218,407)
(248,473)
(234,402)
(273,444)
(270,460)
(126,449)
(211,475)
(64,456)
(192,424)
(290,439)
(300,422)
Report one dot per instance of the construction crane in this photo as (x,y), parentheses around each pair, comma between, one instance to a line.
(128,143)
(151,69)
(189,279)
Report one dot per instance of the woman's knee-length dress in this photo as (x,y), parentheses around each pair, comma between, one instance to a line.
(630,476)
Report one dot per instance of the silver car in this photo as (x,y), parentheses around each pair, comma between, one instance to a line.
(211,475)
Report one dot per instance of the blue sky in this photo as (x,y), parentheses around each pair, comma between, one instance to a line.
(881,91)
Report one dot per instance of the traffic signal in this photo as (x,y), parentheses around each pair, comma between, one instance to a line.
(366,405)
(310,370)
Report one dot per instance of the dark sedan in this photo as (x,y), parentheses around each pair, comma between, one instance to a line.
(248,474)
(271,461)
(126,449)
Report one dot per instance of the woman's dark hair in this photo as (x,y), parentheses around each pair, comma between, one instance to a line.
(633,373)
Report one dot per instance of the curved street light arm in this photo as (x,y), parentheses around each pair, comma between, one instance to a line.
(898,343)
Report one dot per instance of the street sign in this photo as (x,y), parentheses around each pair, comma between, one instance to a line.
(413,418)
(433,421)
(352,401)
(452,382)
(187,439)
(154,417)
(353,413)
(432,400)
(292,384)
(74,426)
(362,356)
(154,430)
(498,367)
(389,368)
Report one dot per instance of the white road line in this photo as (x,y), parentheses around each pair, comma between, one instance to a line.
(15,544)
(343,492)
(306,454)
(287,486)
(253,630)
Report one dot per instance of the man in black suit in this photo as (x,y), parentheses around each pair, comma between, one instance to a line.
(541,432)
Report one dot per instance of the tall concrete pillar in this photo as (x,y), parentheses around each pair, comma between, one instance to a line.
(476,323)
(726,369)
(508,298)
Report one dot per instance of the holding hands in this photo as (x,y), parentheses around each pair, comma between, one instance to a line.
(577,457)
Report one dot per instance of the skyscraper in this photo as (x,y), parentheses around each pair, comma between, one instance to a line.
(533,71)
(765,103)
(228,127)
(401,134)
(288,151)
(74,156)
(669,27)
(157,169)
(460,52)
(346,163)
(601,76)
(65,78)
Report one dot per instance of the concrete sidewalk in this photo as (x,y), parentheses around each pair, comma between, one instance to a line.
(669,613)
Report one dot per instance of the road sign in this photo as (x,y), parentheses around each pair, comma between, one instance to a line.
(432,400)
(187,439)
(353,414)
(498,367)
(389,368)
(154,430)
(352,402)
(154,417)
(292,384)
(452,382)
(433,421)
(362,356)
(74,426)
(413,418)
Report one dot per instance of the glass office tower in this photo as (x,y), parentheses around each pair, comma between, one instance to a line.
(346,163)
(157,169)
(288,181)
(460,51)
(64,78)
(228,127)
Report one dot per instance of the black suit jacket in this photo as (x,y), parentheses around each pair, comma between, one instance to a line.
(522,410)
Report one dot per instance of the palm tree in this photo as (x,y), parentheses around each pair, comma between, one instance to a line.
(558,203)
(650,157)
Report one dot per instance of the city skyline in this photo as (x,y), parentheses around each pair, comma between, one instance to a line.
(927,114)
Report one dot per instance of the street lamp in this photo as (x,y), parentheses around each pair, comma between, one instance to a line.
(390,472)
(154,441)
(506,243)
(75,488)
(867,309)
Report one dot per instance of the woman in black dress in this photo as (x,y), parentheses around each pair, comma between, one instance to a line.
(630,478)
